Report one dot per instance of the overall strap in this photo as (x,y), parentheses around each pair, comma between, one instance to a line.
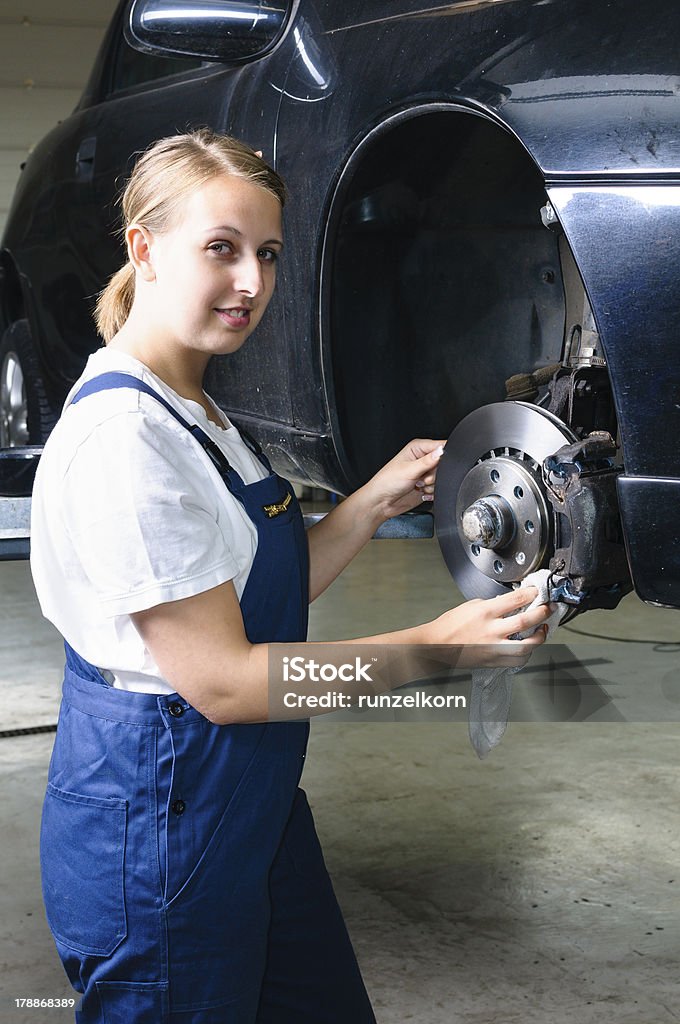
(254,445)
(109,381)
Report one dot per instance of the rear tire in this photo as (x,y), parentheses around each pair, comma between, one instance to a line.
(26,416)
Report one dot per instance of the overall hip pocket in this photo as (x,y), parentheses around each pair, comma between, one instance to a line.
(82,849)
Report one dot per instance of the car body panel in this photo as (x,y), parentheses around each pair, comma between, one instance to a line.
(626,240)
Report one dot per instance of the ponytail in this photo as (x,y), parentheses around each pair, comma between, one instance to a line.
(115,302)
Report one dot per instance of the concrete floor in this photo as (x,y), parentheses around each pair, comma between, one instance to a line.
(537,886)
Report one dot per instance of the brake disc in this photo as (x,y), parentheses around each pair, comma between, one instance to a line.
(493,520)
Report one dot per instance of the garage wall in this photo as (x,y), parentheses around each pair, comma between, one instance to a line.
(47,48)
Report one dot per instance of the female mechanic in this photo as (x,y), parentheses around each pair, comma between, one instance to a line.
(182,876)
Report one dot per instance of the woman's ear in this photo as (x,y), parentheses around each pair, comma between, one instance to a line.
(138,241)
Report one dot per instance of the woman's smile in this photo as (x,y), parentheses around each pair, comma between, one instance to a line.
(238,317)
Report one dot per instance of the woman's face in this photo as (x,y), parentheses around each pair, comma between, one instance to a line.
(214,269)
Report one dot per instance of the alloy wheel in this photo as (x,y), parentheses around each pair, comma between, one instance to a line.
(13,403)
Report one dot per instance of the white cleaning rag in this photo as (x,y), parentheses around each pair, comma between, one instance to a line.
(491,691)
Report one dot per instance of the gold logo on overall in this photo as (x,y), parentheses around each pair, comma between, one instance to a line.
(281,506)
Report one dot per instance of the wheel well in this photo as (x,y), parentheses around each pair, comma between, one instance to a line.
(439,281)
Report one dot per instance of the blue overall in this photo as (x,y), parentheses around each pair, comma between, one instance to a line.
(182,876)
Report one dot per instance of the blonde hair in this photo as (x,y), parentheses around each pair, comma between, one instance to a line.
(160,182)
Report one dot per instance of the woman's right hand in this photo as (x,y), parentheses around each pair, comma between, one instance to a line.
(492,621)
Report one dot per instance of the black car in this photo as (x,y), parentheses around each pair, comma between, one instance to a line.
(483,236)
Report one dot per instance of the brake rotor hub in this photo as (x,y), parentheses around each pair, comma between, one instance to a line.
(503,516)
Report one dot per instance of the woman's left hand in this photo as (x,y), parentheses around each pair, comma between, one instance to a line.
(407,480)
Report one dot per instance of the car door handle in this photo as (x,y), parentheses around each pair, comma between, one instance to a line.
(85,159)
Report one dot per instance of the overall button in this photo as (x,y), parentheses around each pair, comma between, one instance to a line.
(176,709)
(178,807)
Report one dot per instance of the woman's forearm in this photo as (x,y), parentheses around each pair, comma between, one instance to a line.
(339,536)
(402,484)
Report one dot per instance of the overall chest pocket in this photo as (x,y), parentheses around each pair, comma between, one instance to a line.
(82,850)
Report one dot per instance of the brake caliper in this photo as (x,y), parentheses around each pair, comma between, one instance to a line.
(580,480)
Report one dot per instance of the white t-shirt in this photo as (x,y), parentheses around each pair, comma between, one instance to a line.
(129,512)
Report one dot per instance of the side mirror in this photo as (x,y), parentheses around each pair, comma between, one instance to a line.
(227,31)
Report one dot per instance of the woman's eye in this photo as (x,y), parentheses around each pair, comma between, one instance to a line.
(268,255)
(222,248)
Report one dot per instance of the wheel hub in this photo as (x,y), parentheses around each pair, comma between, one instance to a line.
(492,517)
(503,516)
